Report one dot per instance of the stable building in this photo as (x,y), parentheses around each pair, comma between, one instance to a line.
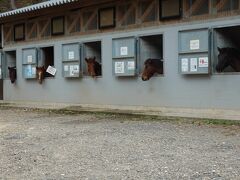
(122,34)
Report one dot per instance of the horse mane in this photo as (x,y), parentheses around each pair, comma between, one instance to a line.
(98,68)
(233,52)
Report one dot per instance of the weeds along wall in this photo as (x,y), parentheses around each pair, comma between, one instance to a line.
(172,89)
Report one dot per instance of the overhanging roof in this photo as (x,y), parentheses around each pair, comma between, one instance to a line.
(34,7)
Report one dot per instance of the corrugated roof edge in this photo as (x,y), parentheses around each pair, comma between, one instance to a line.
(35,7)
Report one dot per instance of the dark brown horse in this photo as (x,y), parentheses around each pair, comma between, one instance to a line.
(152,66)
(40,74)
(228,57)
(94,67)
(12,74)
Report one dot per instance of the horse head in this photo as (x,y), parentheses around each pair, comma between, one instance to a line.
(40,74)
(94,68)
(12,74)
(152,66)
(223,59)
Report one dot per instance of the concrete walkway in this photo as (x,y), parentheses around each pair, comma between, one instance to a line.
(159,111)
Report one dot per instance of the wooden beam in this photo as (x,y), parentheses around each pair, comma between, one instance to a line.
(32,29)
(94,14)
(196,5)
(73,23)
(44,27)
(132,7)
(7,35)
(148,10)
(221,4)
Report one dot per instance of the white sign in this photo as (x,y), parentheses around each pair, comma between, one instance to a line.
(33,70)
(203,62)
(119,67)
(71,55)
(0,72)
(193,64)
(29,70)
(74,69)
(184,64)
(124,51)
(30,59)
(71,71)
(51,70)
(194,44)
(131,65)
(65,68)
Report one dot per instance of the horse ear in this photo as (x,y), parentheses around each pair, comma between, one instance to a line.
(37,68)
(219,49)
(9,68)
(150,61)
(94,58)
(86,59)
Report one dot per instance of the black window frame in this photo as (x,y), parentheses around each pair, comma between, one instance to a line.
(114,17)
(170,17)
(57,18)
(14,29)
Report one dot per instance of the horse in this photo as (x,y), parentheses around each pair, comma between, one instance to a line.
(228,57)
(12,74)
(94,67)
(152,66)
(40,74)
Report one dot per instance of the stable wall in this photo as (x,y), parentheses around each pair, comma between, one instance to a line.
(172,89)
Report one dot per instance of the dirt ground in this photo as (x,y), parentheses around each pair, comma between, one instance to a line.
(43,145)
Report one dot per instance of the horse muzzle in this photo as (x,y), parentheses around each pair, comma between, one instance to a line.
(145,78)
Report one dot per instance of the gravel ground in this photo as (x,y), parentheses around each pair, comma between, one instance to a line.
(37,145)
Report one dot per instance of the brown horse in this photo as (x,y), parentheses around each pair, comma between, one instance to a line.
(12,74)
(40,74)
(152,66)
(94,67)
(228,57)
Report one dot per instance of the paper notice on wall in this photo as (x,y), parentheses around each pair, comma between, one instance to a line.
(131,65)
(29,70)
(71,71)
(193,64)
(203,62)
(194,44)
(29,59)
(65,68)
(71,55)
(119,67)
(75,69)
(51,70)
(124,51)
(0,72)
(33,70)
(184,64)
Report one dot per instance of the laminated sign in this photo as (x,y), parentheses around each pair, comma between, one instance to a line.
(71,55)
(51,70)
(203,62)
(131,65)
(184,64)
(195,44)
(119,67)
(30,59)
(193,64)
(66,68)
(29,70)
(124,51)
(74,69)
